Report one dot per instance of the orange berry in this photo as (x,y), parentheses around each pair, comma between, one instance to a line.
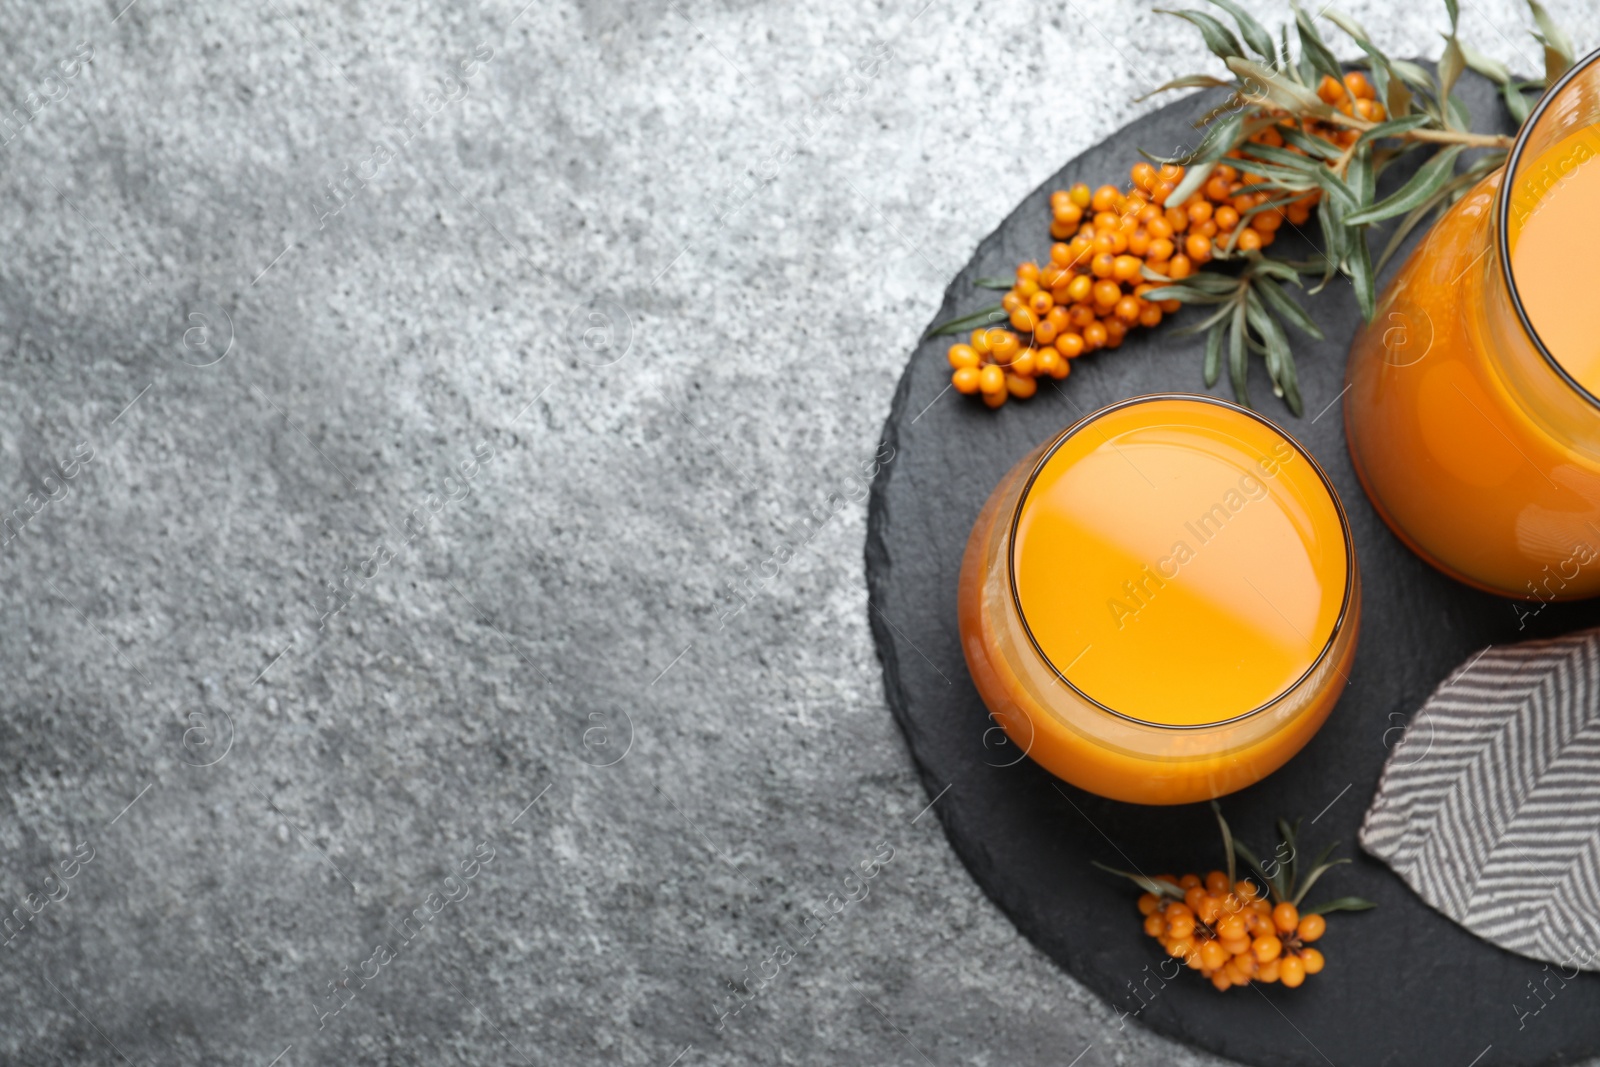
(1021,387)
(1163,191)
(1150,315)
(964,356)
(1169,307)
(1248,240)
(1143,175)
(1059,198)
(1207,228)
(1107,293)
(1125,269)
(1105,198)
(1080,287)
(979,340)
(1139,242)
(1060,231)
(1267,948)
(1197,247)
(1170,172)
(1330,90)
(1199,210)
(1080,316)
(1068,214)
(1070,345)
(1180,267)
(1178,219)
(1011,301)
(1061,254)
(1161,250)
(1058,317)
(1193,896)
(1358,85)
(1286,917)
(1221,981)
(1298,214)
(1292,971)
(994,400)
(1268,972)
(1208,909)
(1041,302)
(1127,309)
(1116,330)
(1180,948)
(1048,361)
(1216,188)
(993,380)
(1370,110)
(1028,271)
(1226,218)
(1182,926)
(1079,195)
(965,380)
(1103,265)
(1311,928)
(1267,221)
(1148,214)
(1023,364)
(1003,345)
(1213,955)
(1312,959)
(1094,335)
(1045,331)
(1023,320)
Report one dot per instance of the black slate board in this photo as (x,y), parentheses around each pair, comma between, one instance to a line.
(1403,984)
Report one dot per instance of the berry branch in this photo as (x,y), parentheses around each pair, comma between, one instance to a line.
(1298,136)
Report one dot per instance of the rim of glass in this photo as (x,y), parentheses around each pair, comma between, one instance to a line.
(1327,485)
(1502,231)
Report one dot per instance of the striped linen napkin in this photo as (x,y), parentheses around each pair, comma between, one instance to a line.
(1489,807)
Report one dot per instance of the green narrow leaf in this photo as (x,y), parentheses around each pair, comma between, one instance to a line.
(1212,369)
(1188,81)
(1378,62)
(1358,33)
(1330,216)
(995,283)
(1358,265)
(1558,50)
(1460,117)
(1227,840)
(1397,98)
(1291,386)
(1312,47)
(1193,179)
(1265,266)
(1359,176)
(1287,94)
(1218,37)
(1341,904)
(1149,885)
(1518,105)
(1311,879)
(1250,858)
(1237,370)
(1184,293)
(1489,67)
(1423,184)
(1275,346)
(1285,305)
(1395,127)
(982,317)
(1454,8)
(1313,146)
(1451,64)
(1254,34)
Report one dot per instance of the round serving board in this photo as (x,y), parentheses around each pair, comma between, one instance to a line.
(1403,984)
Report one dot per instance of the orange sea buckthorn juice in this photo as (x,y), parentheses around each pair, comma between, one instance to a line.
(1472,414)
(1160,604)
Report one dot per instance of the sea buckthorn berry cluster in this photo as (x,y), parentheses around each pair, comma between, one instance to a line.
(1356,97)
(1232,934)
(1114,246)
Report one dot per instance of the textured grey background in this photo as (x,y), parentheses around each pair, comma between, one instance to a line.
(757,209)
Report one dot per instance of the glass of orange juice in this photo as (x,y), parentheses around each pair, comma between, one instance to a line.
(1160,604)
(1473,412)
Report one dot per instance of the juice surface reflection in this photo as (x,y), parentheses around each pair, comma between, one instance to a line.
(1178,564)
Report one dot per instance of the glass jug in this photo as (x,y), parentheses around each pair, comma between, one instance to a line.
(1477,446)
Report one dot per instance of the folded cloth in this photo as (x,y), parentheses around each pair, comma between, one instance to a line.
(1489,807)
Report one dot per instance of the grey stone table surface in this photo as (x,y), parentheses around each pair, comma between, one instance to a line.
(412,649)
